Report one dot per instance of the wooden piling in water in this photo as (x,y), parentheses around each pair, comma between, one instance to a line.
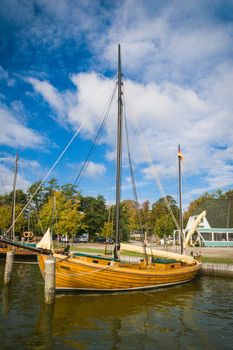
(50,281)
(9,267)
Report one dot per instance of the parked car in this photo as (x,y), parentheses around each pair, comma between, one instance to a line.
(76,239)
(109,240)
(100,239)
(64,239)
(84,238)
(105,240)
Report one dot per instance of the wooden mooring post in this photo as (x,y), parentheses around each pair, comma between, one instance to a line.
(9,267)
(50,281)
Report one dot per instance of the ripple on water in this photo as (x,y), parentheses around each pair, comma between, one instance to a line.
(197,315)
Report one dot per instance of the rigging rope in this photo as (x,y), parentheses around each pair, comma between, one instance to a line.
(138,131)
(35,212)
(85,164)
(133,183)
(151,164)
(54,165)
(96,140)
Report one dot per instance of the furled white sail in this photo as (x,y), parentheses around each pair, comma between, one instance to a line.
(193,228)
(46,241)
(158,253)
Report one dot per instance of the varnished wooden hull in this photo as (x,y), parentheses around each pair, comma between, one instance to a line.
(106,275)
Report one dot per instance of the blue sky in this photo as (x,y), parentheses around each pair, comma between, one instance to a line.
(58,60)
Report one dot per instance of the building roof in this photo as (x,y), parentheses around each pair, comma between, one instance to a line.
(219,212)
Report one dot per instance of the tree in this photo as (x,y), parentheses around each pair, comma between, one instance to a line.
(197,206)
(52,186)
(128,219)
(131,209)
(124,223)
(5,219)
(161,222)
(107,230)
(164,226)
(146,214)
(39,198)
(7,199)
(229,194)
(69,190)
(95,213)
(69,219)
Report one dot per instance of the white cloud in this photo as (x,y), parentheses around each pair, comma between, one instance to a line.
(6,180)
(3,73)
(27,169)
(5,77)
(161,40)
(169,114)
(50,23)
(73,108)
(7,159)
(178,42)
(95,169)
(15,134)
(178,57)
(127,184)
(49,93)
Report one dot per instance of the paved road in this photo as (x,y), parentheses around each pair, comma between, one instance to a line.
(226,252)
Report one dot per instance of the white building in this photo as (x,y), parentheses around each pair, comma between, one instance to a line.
(205,235)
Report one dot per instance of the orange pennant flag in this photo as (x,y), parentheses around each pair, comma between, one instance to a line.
(180,155)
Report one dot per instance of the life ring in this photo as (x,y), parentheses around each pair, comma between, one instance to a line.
(28,234)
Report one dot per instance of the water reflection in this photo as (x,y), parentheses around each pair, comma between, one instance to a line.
(41,335)
(119,321)
(196,315)
(5,300)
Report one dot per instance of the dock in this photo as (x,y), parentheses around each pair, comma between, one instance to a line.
(222,270)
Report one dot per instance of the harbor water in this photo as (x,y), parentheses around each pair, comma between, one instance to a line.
(197,315)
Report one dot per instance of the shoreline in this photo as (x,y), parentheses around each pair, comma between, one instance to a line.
(219,270)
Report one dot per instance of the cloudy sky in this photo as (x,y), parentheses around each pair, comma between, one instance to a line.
(58,62)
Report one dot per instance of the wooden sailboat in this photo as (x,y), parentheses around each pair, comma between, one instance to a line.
(95,273)
(21,254)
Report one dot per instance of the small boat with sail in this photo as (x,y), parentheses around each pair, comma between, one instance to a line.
(100,273)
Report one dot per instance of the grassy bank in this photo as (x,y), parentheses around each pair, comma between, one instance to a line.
(217,260)
(101,251)
(87,250)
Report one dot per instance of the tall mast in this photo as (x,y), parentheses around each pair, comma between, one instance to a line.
(53,215)
(12,234)
(180,158)
(119,156)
